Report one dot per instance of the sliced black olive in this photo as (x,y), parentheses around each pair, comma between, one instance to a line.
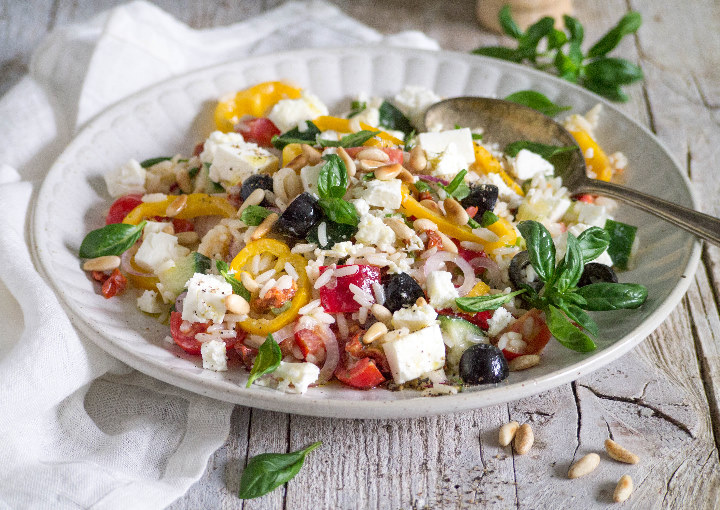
(301,215)
(483,196)
(256,181)
(518,272)
(401,289)
(595,272)
(483,364)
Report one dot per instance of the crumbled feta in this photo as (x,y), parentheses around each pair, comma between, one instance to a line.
(413,355)
(128,178)
(361,206)
(153,227)
(288,113)
(205,299)
(233,164)
(373,231)
(158,248)
(441,290)
(437,143)
(218,139)
(149,302)
(309,176)
(295,377)
(383,194)
(448,163)
(499,321)
(214,355)
(415,317)
(528,164)
(154,197)
(413,100)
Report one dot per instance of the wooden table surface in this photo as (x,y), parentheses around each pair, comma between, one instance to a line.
(661,400)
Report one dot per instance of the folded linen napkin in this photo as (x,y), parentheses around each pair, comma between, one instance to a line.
(79,428)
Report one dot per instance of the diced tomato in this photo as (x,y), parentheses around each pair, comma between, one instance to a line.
(310,343)
(531,325)
(258,130)
(362,375)
(480,319)
(588,199)
(121,207)
(434,240)
(100,276)
(181,225)
(247,354)
(186,339)
(114,285)
(469,254)
(472,211)
(355,348)
(396,155)
(339,298)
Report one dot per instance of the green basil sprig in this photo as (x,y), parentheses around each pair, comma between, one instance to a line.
(237,285)
(309,135)
(154,161)
(268,471)
(536,101)
(113,239)
(267,360)
(253,215)
(332,185)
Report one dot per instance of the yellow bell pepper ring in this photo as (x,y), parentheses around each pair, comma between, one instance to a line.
(256,101)
(198,204)
(382,139)
(281,251)
(597,161)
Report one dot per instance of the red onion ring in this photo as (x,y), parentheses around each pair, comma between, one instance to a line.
(430,178)
(492,270)
(179,302)
(433,264)
(127,266)
(332,355)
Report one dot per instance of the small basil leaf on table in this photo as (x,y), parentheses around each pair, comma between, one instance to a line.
(628,24)
(606,296)
(566,332)
(540,247)
(113,239)
(253,215)
(593,242)
(266,361)
(536,101)
(484,303)
(268,471)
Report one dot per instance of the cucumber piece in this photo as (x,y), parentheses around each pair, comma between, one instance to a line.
(622,237)
(459,334)
(175,278)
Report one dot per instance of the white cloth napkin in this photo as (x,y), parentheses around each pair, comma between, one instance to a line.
(80,429)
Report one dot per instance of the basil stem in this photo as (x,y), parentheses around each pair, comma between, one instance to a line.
(113,239)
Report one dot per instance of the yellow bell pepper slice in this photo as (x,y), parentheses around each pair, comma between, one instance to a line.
(198,204)
(479,289)
(327,122)
(281,251)
(502,228)
(599,162)
(256,101)
(290,152)
(485,163)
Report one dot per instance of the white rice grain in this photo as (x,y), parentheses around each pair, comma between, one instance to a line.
(309,307)
(486,235)
(269,285)
(342,325)
(324,278)
(322,234)
(363,314)
(264,277)
(359,295)
(346,271)
(304,248)
(290,270)
(379,293)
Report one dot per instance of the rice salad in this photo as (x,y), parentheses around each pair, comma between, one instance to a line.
(307,247)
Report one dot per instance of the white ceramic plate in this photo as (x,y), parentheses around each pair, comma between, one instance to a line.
(172,117)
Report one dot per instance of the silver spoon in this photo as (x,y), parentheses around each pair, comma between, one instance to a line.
(507,122)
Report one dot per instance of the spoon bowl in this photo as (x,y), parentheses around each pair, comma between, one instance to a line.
(504,122)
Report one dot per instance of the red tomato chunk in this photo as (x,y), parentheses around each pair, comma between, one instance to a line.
(186,339)
(336,296)
(115,285)
(258,130)
(535,333)
(362,375)
(121,207)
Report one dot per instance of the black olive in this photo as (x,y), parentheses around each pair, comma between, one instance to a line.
(483,364)
(518,274)
(595,272)
(301,215)
(401,289)
(483,196)
(256,181)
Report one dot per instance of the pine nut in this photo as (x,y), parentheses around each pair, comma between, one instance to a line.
(187,238)
(507,433)
(387,172)
(369,165)
(420,301)
(523,362)
(264,227)
(619,453)
(431,204)
(524,439)
(298,162)
(398,226)
(255,198)
(168,229)
(237,304)
(423,225)
(623,489)
(585,465)
(313,155)
(176,206)
(417,162)
(248,282)
(374,332)
(455,212)
(406,177)
(447,243)
(381,313)
(104,263)
(354,125)
(373,153)
(349,163)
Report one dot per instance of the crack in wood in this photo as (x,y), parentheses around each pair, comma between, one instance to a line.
(512,453)
(574,386)
(667,484)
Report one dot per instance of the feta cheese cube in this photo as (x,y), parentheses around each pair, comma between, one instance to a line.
(158,248)
(153,227)
(361,206)
(414,318)
(441,290)
(499,321)
(288,113)
(383,194)
(413,100)
(232,164)
(528,164)
(436,143)
(218,139)
(413,355)
(295,377)
(214,355)
(373,231)
(448,163)
(149,302)
(205,300)
(128,178)
(309,177)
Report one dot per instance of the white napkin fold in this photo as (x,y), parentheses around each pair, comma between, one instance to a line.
(80,429)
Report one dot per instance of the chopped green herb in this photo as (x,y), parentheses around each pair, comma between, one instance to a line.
(154,161)
(488,218)
(356,107)
(253,215)
(193,171)
(237,286)
(309,135)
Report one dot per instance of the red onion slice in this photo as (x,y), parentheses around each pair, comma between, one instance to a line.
(434,262)
(430,178)
(332,355)
(127,266)
(492,270)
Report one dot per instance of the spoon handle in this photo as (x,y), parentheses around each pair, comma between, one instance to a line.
(702,225)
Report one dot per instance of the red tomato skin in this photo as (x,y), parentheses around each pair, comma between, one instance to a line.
(258,130)
(339,299)
(362,375)
(121,207)
(309,342)
(186,340)
(480,319)
(588,199)
(396,155)
(114,285)
(180,225)
(537,339)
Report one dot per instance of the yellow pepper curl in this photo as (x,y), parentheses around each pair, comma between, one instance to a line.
(256,101)
(598,162)
(382,139)
(485,163)
(198,204)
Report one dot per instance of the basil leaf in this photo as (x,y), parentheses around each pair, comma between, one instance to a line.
(253,215)
(409,140)
(368,176)
(556,39)
(474,224)
(268,471)
(334,232)
(237,286)
(536,101)
(546,151)
(577,315)
(351,140)
(567,68)
(592,243)
(540,247)
(571,268)
(575,28)
(484,303)
(613,71)
(340,211)
(333,177)
(488,218)
(392,118)
(356,107)
(296,136)
(628,24)
(154,161)
(113,239)
(606,296)
(529,41)
(193,171)
(498,52)
(457,187)
(622,237)
(566,332)
(613,92)
(267,360)
(507,23)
